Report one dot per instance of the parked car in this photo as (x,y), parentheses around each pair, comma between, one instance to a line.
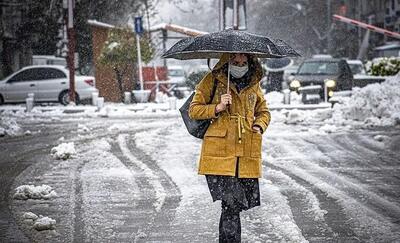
(314,73)
(356,66)
(48,83)
(176,75)
(361,78)
(198,68)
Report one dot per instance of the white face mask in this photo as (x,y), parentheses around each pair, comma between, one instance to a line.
(237,71)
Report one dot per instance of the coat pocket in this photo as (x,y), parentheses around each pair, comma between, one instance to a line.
(214,142)
(256,142)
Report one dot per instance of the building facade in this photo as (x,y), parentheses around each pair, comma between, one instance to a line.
(381,13)
(15,50)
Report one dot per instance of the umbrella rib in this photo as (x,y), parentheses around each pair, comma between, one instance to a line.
(269,49)
(215,51)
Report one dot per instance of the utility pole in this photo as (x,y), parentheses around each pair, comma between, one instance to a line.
(235,15)
(235,21)
(221,15)
(165,38)
(329,22)
(146,4)
(71,50)
(359,30)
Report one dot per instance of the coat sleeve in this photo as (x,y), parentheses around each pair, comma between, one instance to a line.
(199,109)
(262,113)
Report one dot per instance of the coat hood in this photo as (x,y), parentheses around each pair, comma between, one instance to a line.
(219,73)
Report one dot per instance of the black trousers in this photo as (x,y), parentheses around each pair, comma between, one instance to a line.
(236,194)
(229,224)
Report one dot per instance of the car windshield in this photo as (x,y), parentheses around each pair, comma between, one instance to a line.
(175,72)
(319,68)
(356,68)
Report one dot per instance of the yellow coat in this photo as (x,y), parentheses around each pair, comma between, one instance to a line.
(230,133)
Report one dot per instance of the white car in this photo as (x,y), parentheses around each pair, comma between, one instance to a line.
(48,83)
(361,78)
(356,66)
(176,75)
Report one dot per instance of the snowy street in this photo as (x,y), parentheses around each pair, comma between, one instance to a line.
(135,180)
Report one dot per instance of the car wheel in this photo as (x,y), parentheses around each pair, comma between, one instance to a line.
(63,98)
(1,100)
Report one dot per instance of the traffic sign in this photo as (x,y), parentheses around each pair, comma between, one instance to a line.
(138,25)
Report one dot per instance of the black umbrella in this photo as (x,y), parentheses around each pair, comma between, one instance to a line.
(213,45)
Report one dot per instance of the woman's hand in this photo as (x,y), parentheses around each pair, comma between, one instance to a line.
(225,100)
(257,129)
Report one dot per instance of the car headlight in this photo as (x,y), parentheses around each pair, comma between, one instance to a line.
(295,84)
(330,83)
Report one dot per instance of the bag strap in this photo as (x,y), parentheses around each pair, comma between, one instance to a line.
(213,91)
(208,64)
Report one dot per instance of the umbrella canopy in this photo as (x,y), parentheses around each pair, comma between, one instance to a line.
(212,45)
(278,64)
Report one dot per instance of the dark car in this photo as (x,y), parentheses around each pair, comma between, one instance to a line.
(313,74)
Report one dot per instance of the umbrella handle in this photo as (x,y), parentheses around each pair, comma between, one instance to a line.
(229,80)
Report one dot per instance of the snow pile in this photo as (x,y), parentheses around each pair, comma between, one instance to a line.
(278,116)
(25,192)
(118,127)
(83,128)
(328,128)
(375,104)
(295,116)
(39,222)
(381,138)
(295,98)
(9,126)
(274,97)
(63,151)
(29,216)
(44,223)
(161,97)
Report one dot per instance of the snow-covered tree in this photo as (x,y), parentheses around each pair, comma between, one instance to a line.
(120,52)
(384,66)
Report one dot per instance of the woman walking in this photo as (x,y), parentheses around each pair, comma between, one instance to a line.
(231,150)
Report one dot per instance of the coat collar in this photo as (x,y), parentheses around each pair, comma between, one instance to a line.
(218,72)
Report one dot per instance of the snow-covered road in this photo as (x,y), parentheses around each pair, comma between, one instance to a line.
(135,180)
